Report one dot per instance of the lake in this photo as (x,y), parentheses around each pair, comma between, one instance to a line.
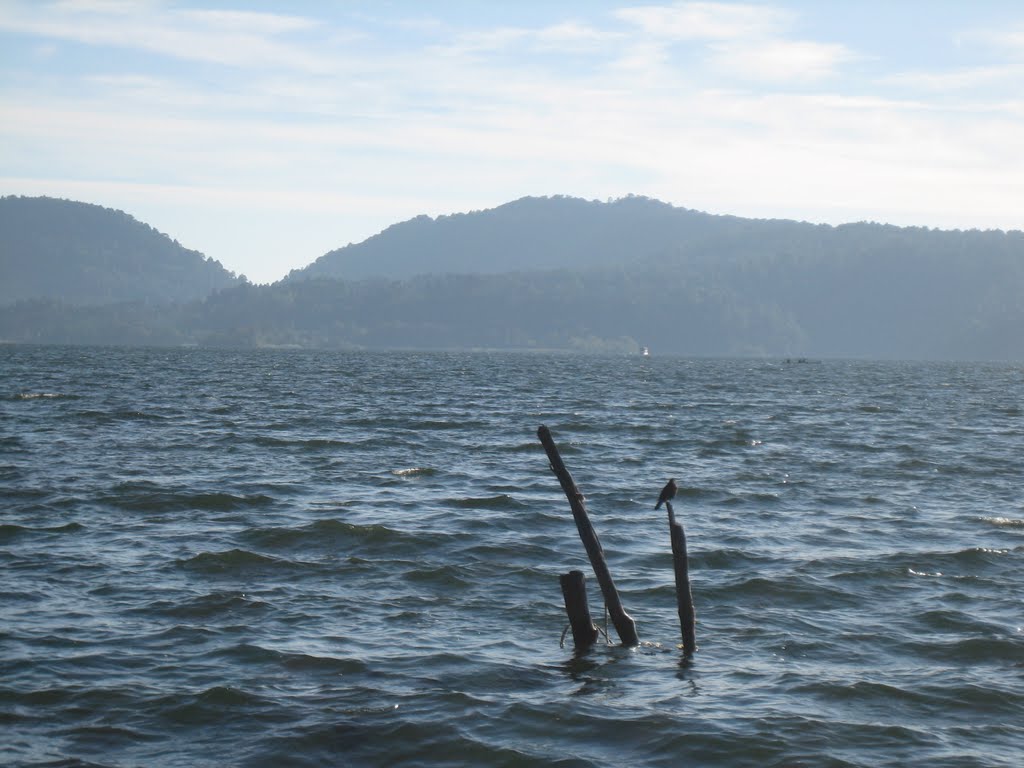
(286,557)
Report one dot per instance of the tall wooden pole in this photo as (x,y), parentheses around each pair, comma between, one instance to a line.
(684,598)
(623,622)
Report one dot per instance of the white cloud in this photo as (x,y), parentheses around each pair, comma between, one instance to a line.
(705,21)
(250,22)
(953,80)
(237,39)
(740,41)
(483,41)
(123,7)
(1009,39)
(572,35)
(779,60)
(993,58)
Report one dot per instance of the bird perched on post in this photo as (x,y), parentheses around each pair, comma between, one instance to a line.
(667,493)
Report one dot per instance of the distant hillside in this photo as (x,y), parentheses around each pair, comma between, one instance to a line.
(781,309)
(527,234)
(89,255)
(560,273)
(641,234)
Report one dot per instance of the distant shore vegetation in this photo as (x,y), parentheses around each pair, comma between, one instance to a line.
(552,273)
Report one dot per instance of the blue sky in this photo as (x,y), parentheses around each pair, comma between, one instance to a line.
(267,133)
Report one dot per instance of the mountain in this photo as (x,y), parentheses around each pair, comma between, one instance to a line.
(567,274)
(763,312)
(527,234)
(85,254)
(645,235)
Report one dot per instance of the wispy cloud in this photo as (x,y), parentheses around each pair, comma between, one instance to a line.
(745,42)
(237,39)
(779,60)
(965,79)
(705,21)
(249,22)
(1009,39)
(573,35)
(988,59)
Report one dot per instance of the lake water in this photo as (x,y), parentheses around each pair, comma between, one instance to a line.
(270,558)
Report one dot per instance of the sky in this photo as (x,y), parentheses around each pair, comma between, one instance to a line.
(265,134)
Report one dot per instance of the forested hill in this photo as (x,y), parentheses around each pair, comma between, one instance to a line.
(549,233)
(567,274)
(89,255)
(527,234)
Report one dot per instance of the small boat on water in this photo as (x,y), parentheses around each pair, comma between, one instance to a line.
(645,352)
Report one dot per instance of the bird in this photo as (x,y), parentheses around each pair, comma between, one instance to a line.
(667,493)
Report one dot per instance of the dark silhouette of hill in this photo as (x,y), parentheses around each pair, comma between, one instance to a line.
(622,274)
(527,234)
(86,254)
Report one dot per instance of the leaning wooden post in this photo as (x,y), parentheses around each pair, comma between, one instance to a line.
(684,598)
(574,590)
(623,622)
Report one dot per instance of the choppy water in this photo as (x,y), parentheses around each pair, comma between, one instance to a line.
(271,558)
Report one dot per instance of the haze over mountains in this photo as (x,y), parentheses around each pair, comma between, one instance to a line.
(536,273)
(527,234)
(85,254)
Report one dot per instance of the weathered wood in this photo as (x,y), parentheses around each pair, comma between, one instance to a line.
(574,590)
(684,597)
(624,624)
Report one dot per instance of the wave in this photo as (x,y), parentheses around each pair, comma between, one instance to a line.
(953,563)
(415,472)
(438,425)
(43,396)
(335,535)
(531,447)
(749,498)
(217,704)
(980,650)
(865,692)
(521,553)
(105,737)
(235,561)
(115,416)
(981,700)
(727,559)
(206,606)
(1003,522)
(501,501)
(11,531)
(311,443)
(249,653)
(971,562)
(782,590)
(693,492)
(150,497)
(445,576)
(13,444)
(950,621)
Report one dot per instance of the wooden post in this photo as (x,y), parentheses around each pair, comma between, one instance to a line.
(623,622)
(684,598)
(574,590)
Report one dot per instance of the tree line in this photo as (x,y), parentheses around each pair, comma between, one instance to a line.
(554,273)
(752,310)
